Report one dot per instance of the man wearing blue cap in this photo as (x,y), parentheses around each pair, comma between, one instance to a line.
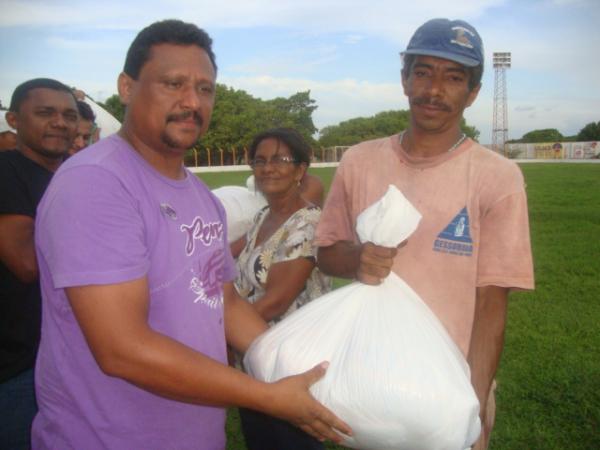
(472,245)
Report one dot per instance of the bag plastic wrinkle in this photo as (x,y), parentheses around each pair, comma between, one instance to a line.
(395,375)
(241,205)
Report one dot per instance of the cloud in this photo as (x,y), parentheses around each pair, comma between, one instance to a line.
(279,62)
(552,83)
(353,39)
(558,39)
(536,46)
(565,113)
(574,2)
(524,108)
(341,100)
(337,100)
(76,44)
(378,17)
(40,13)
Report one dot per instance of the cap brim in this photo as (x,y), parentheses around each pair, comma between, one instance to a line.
(464,60)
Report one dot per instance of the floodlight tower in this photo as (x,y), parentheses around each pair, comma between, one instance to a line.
(500,126)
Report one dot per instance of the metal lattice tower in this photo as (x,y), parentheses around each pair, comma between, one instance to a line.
(500,126)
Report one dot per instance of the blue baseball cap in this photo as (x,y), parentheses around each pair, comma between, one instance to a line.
(455,40)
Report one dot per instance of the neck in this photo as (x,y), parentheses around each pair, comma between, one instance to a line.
(168,163)
(49,163)
(426,144)
(286,204)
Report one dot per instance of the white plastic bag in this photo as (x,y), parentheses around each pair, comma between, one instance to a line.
(395,375)
(241,205)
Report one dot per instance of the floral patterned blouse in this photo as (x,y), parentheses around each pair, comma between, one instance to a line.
(292,240)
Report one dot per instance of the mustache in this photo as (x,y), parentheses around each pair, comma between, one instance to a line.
(185,116)
(429,101)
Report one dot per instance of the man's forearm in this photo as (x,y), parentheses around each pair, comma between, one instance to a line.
(170,369)
(243,324)
(17,250)
(341,259)
(113,319)
(487,339)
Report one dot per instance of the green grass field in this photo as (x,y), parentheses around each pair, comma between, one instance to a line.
(549,379)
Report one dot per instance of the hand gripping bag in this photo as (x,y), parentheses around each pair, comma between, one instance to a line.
(241,205)
(395,375)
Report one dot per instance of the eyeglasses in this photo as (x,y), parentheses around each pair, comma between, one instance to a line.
(278,162)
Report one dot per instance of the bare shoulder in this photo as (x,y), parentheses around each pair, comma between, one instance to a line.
(368,147)
(312,189)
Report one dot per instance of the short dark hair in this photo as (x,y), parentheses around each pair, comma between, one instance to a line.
(299,148)
(474,73)
(85,111)
(165,32)
(20,93)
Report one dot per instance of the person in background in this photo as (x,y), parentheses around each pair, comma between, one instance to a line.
(277,266)
(136,277)
(472,245)
(86,129)
(311,188)
(44,115)
(8,137)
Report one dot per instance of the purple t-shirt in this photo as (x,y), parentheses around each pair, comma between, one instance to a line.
(109,217)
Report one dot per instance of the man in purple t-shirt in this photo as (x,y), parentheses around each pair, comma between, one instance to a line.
(136,276)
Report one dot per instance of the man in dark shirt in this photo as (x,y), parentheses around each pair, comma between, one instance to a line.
(44,114)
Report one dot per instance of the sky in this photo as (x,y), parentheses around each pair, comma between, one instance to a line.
(346,52)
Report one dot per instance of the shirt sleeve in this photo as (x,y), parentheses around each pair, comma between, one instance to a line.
(505,250)
(335,223)
(90,230)
(13,192)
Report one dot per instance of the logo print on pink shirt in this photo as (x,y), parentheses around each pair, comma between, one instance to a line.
(203,232)
(455,239)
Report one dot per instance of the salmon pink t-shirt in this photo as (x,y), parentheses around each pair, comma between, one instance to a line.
(475,226)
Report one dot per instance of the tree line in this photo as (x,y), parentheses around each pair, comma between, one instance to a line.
(238,117)
(590,132)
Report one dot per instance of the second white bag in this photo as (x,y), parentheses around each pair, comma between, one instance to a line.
(241,205)
(395,375)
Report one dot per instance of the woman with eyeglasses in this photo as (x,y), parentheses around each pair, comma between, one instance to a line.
(277,270)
